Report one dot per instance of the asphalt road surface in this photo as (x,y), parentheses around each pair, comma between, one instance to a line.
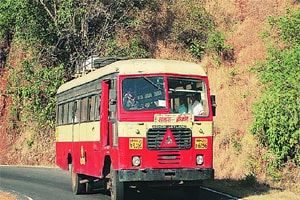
(43,183)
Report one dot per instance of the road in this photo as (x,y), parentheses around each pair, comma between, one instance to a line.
(44,183)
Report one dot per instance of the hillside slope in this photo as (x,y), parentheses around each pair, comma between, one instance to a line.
(236,153)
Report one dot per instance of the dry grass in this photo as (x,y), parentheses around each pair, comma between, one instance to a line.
(274,195)
(236,152)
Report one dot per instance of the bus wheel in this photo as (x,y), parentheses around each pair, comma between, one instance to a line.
(77,187)
(116,187)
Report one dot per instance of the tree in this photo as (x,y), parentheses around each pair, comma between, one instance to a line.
(55,35)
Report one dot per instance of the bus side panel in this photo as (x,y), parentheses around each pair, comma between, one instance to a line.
(62,151)
(86,160)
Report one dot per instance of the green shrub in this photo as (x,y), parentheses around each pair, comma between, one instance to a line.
(33,91)
(216,44)
(277,113)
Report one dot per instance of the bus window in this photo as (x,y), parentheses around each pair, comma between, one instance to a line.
(65,114)
(84,110)
(70,112)
(91,108)
(97,107)
(60,114)
(75,112)
(188,93)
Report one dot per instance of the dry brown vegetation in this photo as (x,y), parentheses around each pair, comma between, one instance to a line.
(236,153)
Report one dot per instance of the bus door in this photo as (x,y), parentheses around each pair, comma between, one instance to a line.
(104,116)
(108,113)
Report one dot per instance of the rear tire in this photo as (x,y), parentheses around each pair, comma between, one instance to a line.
(77,187)
(117,190)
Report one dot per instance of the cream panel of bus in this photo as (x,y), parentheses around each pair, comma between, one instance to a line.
(201,129)
(139,129)
(89,131)
(81,132)
(76,133)
(64,133)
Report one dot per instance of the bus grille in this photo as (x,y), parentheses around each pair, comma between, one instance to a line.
(183,137)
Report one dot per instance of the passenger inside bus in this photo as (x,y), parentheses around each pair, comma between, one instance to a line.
(195,107)
(182,109)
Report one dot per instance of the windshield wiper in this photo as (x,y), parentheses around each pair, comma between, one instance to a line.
(152,83)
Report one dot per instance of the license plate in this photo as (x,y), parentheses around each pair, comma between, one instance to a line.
(135,143)
(201,143)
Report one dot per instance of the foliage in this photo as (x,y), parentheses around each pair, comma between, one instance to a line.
(287,26)
(192,25)
(196,29)
(192,21)
(33,89)
(56,35)
(196,48)
(216,43)
(277,114)
(135,49)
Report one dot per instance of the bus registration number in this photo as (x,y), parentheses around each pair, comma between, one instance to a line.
(135,143)
(201,143)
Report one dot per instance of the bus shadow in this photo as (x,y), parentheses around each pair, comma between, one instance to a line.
(218,189)
(238,188)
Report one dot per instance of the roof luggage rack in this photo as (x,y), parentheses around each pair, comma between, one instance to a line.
(93,63)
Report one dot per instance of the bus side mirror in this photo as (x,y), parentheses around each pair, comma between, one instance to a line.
(112,100)
(213,104)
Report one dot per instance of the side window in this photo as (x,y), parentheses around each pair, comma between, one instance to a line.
(65,114)
(60,114)
(84,110)
(76,111)
(91,108)
(97,107)
(70,112)
(188,96)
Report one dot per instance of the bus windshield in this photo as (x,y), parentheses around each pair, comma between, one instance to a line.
(144,93)
(185,95)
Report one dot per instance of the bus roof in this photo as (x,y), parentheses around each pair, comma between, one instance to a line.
(137,66)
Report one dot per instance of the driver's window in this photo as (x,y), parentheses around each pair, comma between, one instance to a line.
(188,96)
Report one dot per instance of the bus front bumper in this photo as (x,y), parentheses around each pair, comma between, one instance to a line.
(166,175)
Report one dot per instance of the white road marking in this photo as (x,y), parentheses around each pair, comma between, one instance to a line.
(220,193)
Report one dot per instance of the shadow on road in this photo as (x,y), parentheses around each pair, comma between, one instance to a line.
(238,188)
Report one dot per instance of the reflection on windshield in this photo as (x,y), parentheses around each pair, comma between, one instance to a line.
(143,93)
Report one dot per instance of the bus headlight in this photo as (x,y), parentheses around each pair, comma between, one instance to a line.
(199,159)
(136,161)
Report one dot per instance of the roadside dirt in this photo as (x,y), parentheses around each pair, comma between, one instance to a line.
(4,104)
(7,196)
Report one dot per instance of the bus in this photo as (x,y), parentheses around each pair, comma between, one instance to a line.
(130,124)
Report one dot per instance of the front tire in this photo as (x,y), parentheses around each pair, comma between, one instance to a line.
(117,188)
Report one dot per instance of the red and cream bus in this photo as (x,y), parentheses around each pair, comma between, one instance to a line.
(129,123)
